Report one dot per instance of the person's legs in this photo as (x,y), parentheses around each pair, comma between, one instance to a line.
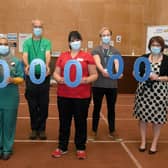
(1,132)
(65,108)
(156,134)
(80,117)
(31,97)
(9,117)
(98,94)
(111,96)
(43,104)
(142,127)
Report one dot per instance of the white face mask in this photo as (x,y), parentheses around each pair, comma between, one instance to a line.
(37,31)
(75,45)
(155,50)
(106,39)
(4,50)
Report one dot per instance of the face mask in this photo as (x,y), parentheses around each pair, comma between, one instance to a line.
(76,45)
(106,39)
(155,50)
(4,50)
(37,31)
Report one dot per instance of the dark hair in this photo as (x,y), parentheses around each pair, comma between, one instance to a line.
(74,35)
(157,39)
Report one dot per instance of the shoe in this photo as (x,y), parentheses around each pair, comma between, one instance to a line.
(58,153)
(92,136)
(1,155)
(142,149)
(81,154)
(33,135)
(114,136)
(42,135)
(6,156)
(150,152)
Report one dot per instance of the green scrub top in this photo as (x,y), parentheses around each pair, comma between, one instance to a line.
(36,49)
(9,95)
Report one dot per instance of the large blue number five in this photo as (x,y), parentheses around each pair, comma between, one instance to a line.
(110,66)
(6,73)
(32,71)
(67,73)
(147,69)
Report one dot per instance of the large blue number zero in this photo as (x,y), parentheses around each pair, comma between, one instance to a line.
(110,66)
(32,71)
(6,73)
(147,69)
(67,73)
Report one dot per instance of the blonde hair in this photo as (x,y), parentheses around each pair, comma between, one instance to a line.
(103,29)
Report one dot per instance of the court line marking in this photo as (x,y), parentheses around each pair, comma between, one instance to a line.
(136,162)
(55,104)
(89,118)
(88,141)
(133,158)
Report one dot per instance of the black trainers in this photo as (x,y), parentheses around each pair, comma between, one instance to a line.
(33,135)
(114,136)
(6,156)
(42,135)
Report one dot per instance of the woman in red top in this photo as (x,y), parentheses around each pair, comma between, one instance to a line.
(74,101)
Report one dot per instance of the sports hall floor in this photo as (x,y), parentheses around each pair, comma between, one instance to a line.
(102,153)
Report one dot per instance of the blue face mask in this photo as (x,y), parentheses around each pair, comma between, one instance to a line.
(37,31)
(75,45)
(155,50)
(106,39)
(4,50)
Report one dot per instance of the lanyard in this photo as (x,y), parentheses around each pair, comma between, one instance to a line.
(34,49)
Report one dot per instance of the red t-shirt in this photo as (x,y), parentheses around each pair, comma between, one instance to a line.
(82,90)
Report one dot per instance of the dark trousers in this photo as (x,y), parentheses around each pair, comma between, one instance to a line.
(38,100)
(77,108)
(111,96)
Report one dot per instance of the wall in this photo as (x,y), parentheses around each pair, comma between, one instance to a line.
(128,18)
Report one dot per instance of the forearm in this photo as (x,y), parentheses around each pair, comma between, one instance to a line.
(163,78)
(25,59)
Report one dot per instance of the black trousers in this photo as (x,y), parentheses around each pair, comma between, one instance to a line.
(111,96)
(38,101)
(77,108)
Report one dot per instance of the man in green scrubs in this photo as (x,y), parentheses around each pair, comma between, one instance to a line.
(9,99)
(37,95)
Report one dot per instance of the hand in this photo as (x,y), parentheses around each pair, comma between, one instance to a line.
(84,80)
(60,80)
(10,80)
(27,69)
(47,71)
(121,76)
(105,73)
(153,76)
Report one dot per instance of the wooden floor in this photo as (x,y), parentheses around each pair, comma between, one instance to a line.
(102,153)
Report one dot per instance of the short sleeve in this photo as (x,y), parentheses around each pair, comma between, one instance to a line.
(90,59)
(95,52)
(58,62)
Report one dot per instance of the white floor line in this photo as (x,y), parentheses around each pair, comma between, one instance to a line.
(117,105)
(136,162)
(89,118)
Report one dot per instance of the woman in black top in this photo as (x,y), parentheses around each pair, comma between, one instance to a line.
(152,95)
